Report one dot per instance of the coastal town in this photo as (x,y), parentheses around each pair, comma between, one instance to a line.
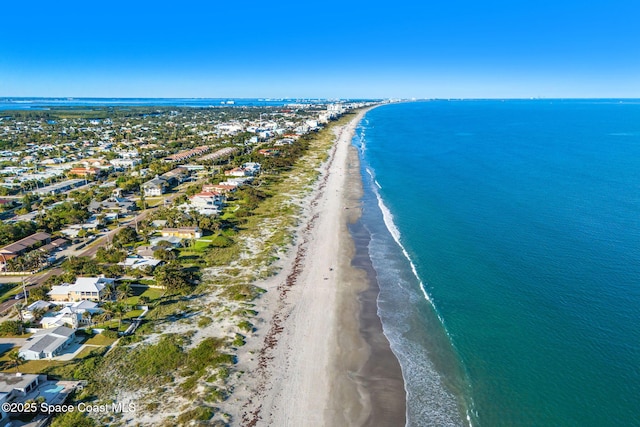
(134,236)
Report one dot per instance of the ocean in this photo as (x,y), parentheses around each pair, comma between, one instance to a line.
(505,236)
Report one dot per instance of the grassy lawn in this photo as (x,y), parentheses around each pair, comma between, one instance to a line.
(132,314)
(152,202)
(84,353)
(16,336)
(98,339)
(151,293)
(35,366)
(201,244)
(5,356)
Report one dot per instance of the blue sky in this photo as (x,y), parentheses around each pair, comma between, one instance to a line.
(348,49)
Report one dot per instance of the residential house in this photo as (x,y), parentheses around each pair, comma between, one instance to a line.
(15,386)
(146,251)
(88,171)
(174,241)
(158,223)
(27,312)
(113,204)
(155,187)
(47,343)
(205,203)
(183,232)
(207,199)
(252,167)
(221,153)
(284,141)
(65,317)
(218,188)
(237,182)
(12,385)
(176,176)
(237,172)
(95,163)
(139,262)
(125,163)
(85,288)
(71,315)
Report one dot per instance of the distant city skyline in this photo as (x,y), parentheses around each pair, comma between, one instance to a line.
(461,49)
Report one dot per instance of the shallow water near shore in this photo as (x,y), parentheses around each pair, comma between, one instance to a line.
(513,298)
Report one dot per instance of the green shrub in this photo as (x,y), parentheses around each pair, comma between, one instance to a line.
(238,341)
(201,413)
(10,327)
(73,419)
(245,326)
(108,333)
(221,242)
(215,395)
(189,384)
(204,321)
(160,359)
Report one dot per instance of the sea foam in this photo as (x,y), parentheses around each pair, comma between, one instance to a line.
(428,400)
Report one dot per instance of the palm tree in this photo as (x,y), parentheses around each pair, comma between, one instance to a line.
(18,308)
(109,293)
(107,312)
(38,313)
(120,310)
(16,359)
(123,292)
(86,315)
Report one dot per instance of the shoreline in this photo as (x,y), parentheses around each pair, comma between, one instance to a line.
(322,357)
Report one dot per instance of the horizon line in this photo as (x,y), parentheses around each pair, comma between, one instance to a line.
(455,98)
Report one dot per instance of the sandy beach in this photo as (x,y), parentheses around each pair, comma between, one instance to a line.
(319,357)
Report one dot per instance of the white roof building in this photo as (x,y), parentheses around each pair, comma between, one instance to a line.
(71,315)
(139,262)
(85,288)
(46,344)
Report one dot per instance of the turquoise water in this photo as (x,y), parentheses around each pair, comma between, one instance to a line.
(54,390)
(506,240)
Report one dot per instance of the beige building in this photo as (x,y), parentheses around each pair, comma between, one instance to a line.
(183,232)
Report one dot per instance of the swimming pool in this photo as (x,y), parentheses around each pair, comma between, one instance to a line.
(53,391)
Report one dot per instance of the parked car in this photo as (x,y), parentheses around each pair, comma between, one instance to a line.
(21,295)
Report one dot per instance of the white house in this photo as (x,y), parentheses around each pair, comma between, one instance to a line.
(207,199)
(155,187)
(65,317)
(71,316)
(85,288)
(47,343)
(15,386)
(27,313)
(252,167)
(125,163)
(140,262)
(237,172)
